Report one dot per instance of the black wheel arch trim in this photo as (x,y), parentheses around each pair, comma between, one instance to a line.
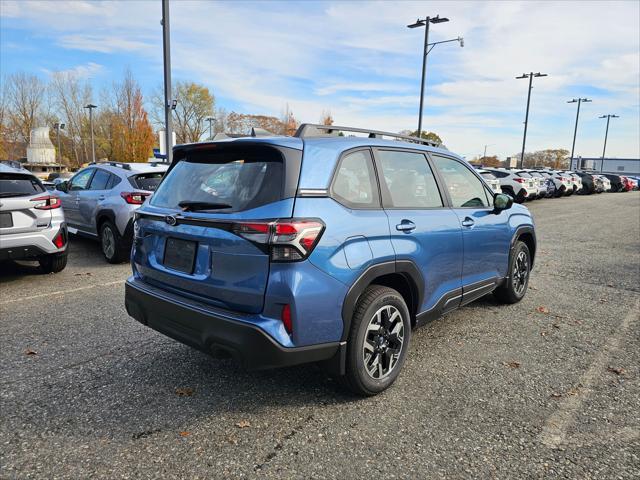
(105,213)
(404,267)
(522,229)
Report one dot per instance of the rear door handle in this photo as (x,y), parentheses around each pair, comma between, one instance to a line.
(468,222)
(406,226)
(101,197)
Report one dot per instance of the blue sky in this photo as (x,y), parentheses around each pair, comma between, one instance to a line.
(358,60)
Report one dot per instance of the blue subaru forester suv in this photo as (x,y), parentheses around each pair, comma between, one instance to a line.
(321,248)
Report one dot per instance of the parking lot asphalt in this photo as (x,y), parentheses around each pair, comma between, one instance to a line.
(549,387)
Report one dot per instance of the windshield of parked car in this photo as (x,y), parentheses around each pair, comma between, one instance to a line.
(230,181)
(18,185)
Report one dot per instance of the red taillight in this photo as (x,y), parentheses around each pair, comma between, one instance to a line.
(519,180)
(290,240)
(47,202)
(134,198)
(285,316)
(60,239)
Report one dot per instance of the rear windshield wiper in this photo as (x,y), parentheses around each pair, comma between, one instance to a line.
(189,206)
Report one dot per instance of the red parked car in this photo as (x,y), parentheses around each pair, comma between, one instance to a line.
(627,185)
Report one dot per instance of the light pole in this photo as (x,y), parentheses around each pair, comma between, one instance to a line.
(91,106)
(484,155)
(575,130)
(211,120)
(169,105)
(526,117)
(425,51)
(59,126)
(606,133)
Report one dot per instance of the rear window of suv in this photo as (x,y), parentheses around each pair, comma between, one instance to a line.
(232,181)
(18,185)
(147,181)
(488,175)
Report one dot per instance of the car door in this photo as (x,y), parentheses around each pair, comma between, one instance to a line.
(486,232)
(71,198)
(90,199)
(423,229)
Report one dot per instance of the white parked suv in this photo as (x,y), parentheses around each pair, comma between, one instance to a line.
(491,179)
(518,187)
(32,225)
(540,181)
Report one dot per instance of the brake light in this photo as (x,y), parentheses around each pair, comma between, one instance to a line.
(60,239)
(519,180)
(134,198)
(285,316)
(289,240)
(47,202)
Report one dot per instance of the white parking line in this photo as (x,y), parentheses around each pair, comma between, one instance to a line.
(62,292)
(555,430)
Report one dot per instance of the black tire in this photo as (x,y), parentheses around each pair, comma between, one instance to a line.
(53,263)
(114,248)
(515,287)
(386,301)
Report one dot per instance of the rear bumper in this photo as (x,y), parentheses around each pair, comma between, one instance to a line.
(23,246)
(211,332)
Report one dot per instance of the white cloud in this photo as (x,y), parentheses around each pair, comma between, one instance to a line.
(86,71)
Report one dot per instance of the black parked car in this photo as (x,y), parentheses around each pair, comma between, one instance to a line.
(617,185)
(588,185)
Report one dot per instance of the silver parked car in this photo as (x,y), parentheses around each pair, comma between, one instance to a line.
(32,224)
(101,199)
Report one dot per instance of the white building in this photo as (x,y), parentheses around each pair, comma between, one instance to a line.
(40,149)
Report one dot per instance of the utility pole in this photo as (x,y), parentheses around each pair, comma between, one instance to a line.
(168,103)
(575,130)
(526,118)
(91,106)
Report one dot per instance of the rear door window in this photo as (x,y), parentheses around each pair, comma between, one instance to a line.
(225,181)
(81,179)
(147,181)
(409,180)
(354,184)
(100,180)
(18,185)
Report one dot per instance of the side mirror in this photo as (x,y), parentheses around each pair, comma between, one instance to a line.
(63,186)
(502,201)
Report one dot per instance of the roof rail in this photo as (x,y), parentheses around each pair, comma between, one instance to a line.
(307,130)
(123,165)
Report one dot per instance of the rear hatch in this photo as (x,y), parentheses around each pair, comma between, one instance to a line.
(199,235)
(23,202)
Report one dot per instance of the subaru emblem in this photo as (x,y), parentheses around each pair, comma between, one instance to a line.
(171,220)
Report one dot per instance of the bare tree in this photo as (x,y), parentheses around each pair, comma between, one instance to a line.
(25,106)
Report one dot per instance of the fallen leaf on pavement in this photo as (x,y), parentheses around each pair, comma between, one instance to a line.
(28,351)
(542,309)
(556,395)
(185,434)
(603,300)
(531,287)
(184,392)
(543,333)
(617,371)
(513,364)
(243,424)
(555,325)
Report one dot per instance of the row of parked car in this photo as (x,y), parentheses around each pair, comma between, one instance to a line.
(529,184)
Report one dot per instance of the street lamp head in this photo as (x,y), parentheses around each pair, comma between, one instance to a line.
(461,40)
(572,101)
(90,105)
(524,75)
(586,100)
(62,126)
(419,23)
(540,74)
(438,19)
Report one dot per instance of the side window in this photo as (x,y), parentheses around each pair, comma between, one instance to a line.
(408,179)
(465,189)
(113,181)
(100,180)
(81,180)
(354,184)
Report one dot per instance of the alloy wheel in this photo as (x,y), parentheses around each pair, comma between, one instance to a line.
(108,242)
(520,273)
(383,342)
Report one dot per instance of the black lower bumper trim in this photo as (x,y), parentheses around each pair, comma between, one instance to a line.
(26,252)
(209,332)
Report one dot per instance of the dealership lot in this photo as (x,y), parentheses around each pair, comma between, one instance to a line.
(547,387)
